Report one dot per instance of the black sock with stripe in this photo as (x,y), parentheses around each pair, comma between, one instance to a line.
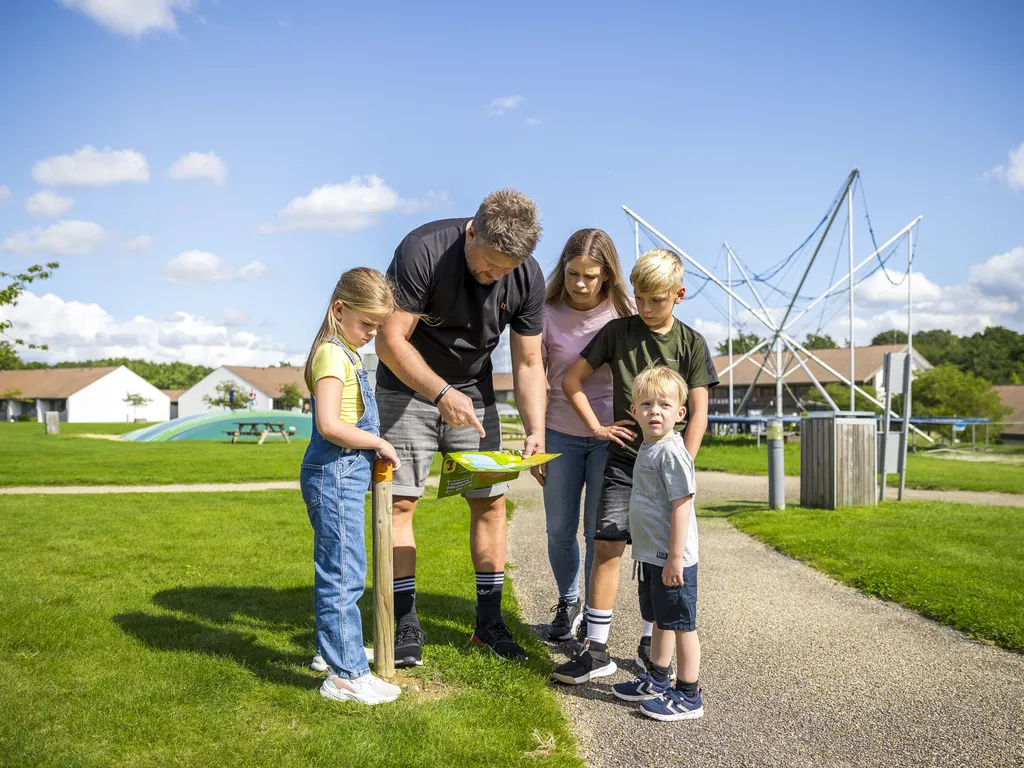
(489,587)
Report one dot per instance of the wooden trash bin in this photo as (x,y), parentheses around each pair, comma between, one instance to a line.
(838,463)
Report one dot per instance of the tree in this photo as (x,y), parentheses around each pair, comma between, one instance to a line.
(945,390)
(136,401)
(291,396)
(8,298)
(892,336)
(741,344)
(223,398)
(814,341)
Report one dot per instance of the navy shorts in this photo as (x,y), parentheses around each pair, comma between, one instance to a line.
(616,488)
(672,608)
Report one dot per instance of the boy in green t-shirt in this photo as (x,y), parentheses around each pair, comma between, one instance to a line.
(629,345)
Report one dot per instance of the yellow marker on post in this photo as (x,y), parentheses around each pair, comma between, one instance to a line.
(383,573)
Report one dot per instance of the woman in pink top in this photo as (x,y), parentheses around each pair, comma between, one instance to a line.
(585,290)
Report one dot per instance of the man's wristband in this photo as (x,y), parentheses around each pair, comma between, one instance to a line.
(441,394)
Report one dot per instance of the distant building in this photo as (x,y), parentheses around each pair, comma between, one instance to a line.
(503,389)
(1012,396)
(868,363)
(263,383)
(174,394)
(90,395)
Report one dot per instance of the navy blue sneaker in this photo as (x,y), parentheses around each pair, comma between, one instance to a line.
(673,705)
(643,688)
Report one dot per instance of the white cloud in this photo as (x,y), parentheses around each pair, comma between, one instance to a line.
(48,205)
(202,267)
(879,289)
(196,268)
(353,205)
(5,194)
(63,238)
(1013,173)
(92,167)
(1001,275)
(132,18)
(531,121)
(138,244)
(79,331)
(504,104)
(200,165)
(234,316)
(253,271)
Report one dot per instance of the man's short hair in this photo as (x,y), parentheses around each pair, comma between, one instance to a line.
(657,271)
(509,222)
(659,380)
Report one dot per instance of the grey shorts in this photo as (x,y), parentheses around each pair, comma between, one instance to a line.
(417,432)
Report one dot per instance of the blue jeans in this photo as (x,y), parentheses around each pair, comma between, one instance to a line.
(580,465)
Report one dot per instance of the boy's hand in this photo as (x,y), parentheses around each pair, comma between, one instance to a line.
(672,573)
(616,432)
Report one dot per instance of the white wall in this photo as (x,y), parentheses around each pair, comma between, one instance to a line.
(190,402)
(103,400)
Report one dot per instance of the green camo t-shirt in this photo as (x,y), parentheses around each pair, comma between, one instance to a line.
(629,346)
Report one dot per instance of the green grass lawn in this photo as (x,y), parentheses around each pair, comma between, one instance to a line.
(960,564)
(143,630)
(28,456)
(741,456)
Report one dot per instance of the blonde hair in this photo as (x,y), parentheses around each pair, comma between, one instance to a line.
(657,271)
(659,380)
(509,222)
(597,245)
(361,289)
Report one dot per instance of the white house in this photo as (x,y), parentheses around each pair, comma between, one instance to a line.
(88,395)
(264,383)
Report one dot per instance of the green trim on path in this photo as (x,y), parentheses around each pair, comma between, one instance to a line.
(215,425)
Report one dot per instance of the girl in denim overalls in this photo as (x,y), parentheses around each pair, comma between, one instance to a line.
(335,476)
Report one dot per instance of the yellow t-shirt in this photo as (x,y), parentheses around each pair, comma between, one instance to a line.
(331,360)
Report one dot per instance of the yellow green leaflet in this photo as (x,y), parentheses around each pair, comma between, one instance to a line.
(467,470)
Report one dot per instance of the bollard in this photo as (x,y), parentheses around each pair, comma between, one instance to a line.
(383,573)
(776,466)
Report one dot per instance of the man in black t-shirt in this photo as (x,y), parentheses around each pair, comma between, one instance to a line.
(459,283)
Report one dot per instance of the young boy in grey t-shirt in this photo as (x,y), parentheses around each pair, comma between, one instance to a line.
(663,525)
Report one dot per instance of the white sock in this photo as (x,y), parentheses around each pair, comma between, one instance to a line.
(599,624)
(648,628)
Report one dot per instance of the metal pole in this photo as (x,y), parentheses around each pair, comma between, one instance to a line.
(909,368)
(728,261)
(776,442)
(853,377)
(813,378)
(778,377)
(883,453)
(636,241)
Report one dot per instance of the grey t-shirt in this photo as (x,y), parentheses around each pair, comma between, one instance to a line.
(663,473)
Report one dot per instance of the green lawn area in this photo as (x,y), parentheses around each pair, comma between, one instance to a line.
(960,564)
(143,630)
(28,456)
(743,457)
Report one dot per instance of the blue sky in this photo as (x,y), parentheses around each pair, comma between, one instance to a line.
(736,122)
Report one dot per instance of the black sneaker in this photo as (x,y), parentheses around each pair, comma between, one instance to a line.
(585,666)
(568,618)
(643,654)
(409,639)
(643,657)
(498,639)
(579,641)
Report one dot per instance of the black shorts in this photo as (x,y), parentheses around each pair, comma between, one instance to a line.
(672,608)
(616,488)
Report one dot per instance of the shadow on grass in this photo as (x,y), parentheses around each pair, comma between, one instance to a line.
(223,621)
(729,509)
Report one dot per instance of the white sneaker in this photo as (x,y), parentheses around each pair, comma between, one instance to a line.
(367,689)
(319,665)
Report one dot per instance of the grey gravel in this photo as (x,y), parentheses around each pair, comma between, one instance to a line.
(798,670)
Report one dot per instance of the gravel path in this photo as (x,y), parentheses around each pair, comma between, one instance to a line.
(798,669)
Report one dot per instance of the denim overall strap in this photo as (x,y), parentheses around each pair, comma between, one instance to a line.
(370,420)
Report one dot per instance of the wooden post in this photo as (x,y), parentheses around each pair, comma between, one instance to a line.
(383,573)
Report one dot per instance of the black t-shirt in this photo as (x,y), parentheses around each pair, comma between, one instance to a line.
(463,319)
(628,346)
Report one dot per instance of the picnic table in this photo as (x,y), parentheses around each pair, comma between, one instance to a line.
(260,429)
